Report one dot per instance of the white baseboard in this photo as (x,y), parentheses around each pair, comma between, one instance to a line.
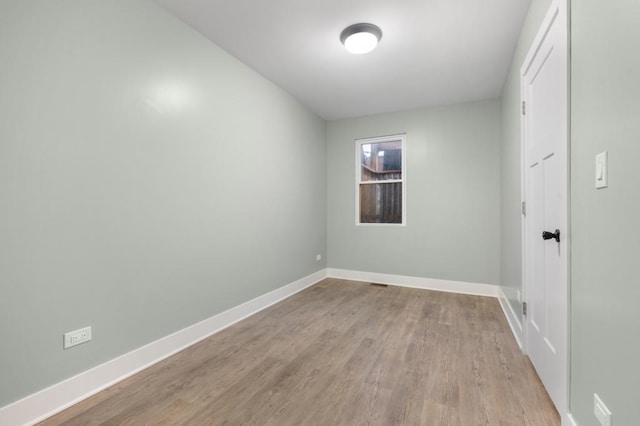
(515,323)
(47,402)
(512,318)
(416,282)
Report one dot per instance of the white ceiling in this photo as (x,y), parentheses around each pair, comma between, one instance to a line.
(432,52)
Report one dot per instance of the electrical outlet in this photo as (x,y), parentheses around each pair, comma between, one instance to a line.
(519,296)
(73,338)
(601,411)
(318,257)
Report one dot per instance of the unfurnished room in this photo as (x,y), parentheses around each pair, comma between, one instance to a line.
(319,212)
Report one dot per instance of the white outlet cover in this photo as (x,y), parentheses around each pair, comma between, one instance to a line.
(76,337)
(601,411)
(318,257)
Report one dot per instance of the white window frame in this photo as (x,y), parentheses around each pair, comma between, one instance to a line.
(402,137)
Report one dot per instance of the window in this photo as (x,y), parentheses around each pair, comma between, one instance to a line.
(380,180)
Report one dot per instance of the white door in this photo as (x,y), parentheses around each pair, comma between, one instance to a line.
(545,186)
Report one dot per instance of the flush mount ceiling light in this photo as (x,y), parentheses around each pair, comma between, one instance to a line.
(361,38)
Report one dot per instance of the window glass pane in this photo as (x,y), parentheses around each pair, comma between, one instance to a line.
(381,203)
(381,161)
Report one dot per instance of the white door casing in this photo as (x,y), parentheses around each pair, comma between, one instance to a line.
(544,91)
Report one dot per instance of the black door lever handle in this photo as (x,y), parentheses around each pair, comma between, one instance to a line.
(546,235)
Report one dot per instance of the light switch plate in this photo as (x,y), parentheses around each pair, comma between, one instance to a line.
(602,172)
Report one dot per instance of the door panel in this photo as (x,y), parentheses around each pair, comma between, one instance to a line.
(545,186)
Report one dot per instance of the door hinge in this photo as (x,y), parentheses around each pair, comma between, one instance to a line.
(524,208)
(524,308)
(524,108)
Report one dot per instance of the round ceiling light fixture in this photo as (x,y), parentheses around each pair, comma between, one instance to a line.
(361,38)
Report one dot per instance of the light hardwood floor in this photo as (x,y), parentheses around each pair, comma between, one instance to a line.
(340,353)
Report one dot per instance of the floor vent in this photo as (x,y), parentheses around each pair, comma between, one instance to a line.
(379,285)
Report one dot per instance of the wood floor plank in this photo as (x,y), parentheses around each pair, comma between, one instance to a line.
(339,353)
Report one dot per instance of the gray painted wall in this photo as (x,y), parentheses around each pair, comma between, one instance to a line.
(511,242)
(605,347)
(453,195)
(148,181)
